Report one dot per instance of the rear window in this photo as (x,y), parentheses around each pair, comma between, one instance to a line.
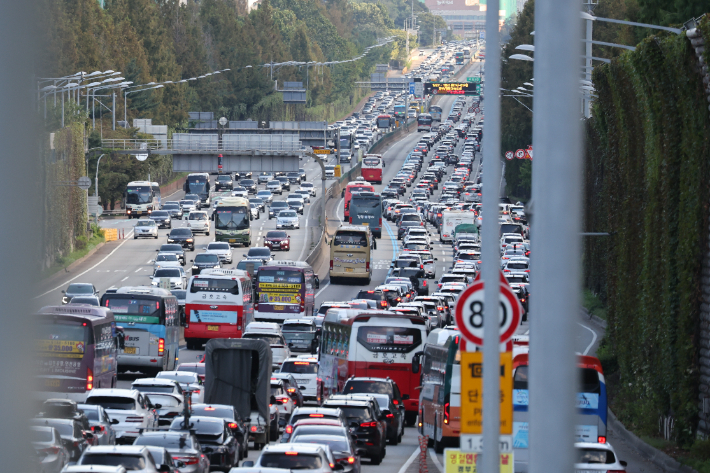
(129,462)
(112,402)
(336,444)
(350,238)
(595,456)
(291,461)
(42,435)
(153,389)
(376,296)
(299,367)
(354,413)
(296,328)
(164,401)
(319,430)
(166,440)
(375,387)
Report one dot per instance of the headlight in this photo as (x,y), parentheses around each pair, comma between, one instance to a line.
(170,240)
(189,240)
(194,267)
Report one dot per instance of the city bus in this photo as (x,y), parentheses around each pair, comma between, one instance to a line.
(366,209)
(358,185)
(350,252)
(372,343)
(467,53)
(440,396)
(435,111)
(424,122)
(141,197)
(232,221)
(591,419)
(198,183)
(459,57)
(385,121)
(218,304)
(150,317)
(372,165)
(400,111)
(284,290)
(75,351)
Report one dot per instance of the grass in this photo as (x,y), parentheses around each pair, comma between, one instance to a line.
(64,261)
(593,305)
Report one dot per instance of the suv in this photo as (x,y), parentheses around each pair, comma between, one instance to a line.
(367,425)
(365,385)
(300,413)
(277,207)
(223,181)
(128,408)
(375,295)
(78,289)
(305,371)
(182,236)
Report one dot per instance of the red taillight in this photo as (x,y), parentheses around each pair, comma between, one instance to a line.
(284,401)
(253,428)
(380,221)
(289,429)
(161,346)
(89,379)
(291,453)
(315,415)
(232,425)
(350,219)
(351,460)
(601,439)
(291,390)
(331,265)
(421,224)
(390,416)
(187,460)
(383,303)
(368,424)
(424,283)
(98,429)
(446,413)
(367,266)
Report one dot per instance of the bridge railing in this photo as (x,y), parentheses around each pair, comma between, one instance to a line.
(230,143)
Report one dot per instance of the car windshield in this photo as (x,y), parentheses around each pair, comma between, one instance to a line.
(354,413)
(376,387)
(211,411)
(85,300)
(290,461)
(299,367)
(224,178)
(329,430)
(168,257)
(164,401)
(288,213)
(198,216)
(279,205)
(595,456)
(113,402)
(275,234)
(171,207)
(258,252)
(129,462)
(80,289)
(187,203)
(167,273)
(145,223)
(263,194)
(181,232)
(165,440)
(160,214)
(297,328)
(247,182)
(180,294)
(207,258)
(218,246)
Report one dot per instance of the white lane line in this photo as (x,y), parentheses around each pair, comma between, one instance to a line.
(409,461)
(308,217)
(124,279)
(322,289)
(436,461)
(528,332)
(594,339)
(337,210)
(90,269)
(149,261)
(139,269)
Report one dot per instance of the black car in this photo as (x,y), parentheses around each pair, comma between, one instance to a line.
(78,289)
(277,207)
(301,413)
(182,236)
(242,175)
(389,193)
(406,224)
(234,423)
(249,185)
(223,181)
(285,183)
(215,437)
(293,177)
(205,261)
(302,174)
(375,295)
(174,248)
(366,385)
(367,425)
(162,218)
(173,209)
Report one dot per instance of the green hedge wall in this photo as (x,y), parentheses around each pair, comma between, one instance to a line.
(647,170)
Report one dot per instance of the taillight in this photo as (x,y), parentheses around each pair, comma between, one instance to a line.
(98,429)
(289,429)
(390,416)
(380,221)
(89,379)
(187,460)
(284,401)
(351,460)
(253,428)
(601,439)
(368,424)
(383,303)
(51,450)
(232,425)
(331,265)
(367,266)
(161,346)
(291,453)
(446,413)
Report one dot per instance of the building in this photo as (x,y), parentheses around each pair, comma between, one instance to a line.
(467,17)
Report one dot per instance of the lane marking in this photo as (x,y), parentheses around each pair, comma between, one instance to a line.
(436,460)
(305,244)
(322,289)
(90,269)
(124,279)
(139,269)
(594,339)
(337,210)
(409,461)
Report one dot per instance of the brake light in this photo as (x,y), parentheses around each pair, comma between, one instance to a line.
(291,390)
(331,265)
(351,460)
(187,460)
(446,413)
(315,415)
(291,453)
(301,363)
(253,428)
(289,429)
(89,379)
(368,424)
(367,266)
(161,346)
(232,425)
(601,439)
(390,416)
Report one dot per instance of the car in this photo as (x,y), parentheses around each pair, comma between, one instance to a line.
(285,183)
(394,415)
(188,205)
(277,240)
(292,456)
(254,211)
(305,195)
(189,382)
(315,413)
(305,371)
(173,209)
(168,406)
(294,177)
(101,424)
(88,300)
(288,219)
(342,447)
(166,260)
(198,368)
(249,185)
(48,445)
(78,289)
(199,221)
(175,276)
(368,385)
(194,198)
(162,218)
(215,438)
(265,177)
(592,457)
(183,237)
(283,401)
(277,207)
(301,334)
(261,253)
(71,434)
(155,385)
(266,195)
(295,204)
(204,261)
(279,348)
(374,295)
(183,447)
(127,406)
(366,423)
(302,174)
(275,187)
(162,458)
(223,181)
(172,248)
(132,458)
(307,186)
(222,250)
(291,387)
(145,227)
(235,424)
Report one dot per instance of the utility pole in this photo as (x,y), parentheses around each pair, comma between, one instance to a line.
(590,4)
(113,110)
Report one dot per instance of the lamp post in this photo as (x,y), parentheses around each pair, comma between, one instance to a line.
(125,94)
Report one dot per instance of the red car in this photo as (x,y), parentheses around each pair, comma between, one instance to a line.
(277,240)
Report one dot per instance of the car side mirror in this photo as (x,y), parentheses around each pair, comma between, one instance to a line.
(157,406)
(623,463)
(164,468)
(64,292)
(247,464)
(114,421)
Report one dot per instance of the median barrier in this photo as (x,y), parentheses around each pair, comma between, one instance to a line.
(110,234)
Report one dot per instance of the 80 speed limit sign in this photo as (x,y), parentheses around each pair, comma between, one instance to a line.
(469,313)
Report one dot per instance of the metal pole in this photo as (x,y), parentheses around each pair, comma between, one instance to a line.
(125,119)
(62,109)
(96,189)
(588,63)
(490,254)
(557,180)
(93,108)
(113,111)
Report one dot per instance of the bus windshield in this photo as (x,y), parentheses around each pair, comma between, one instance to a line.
(389,339)
(196,186)
(139,195)
(232,218)
(134,310)
(350,238)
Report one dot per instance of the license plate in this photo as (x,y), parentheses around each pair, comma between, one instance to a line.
(348,270)
(278,307)
(52,383)
(213,328)
(130,351)
(367,224)
(232,240)
(139,212)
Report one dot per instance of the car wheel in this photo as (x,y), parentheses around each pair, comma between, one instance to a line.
(135,237)
(376,460)
(207,233)
(155,237)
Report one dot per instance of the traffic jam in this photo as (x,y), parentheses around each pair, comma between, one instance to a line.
(278,381)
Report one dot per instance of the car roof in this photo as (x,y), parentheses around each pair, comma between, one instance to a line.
(132,393)
(290,447)
(134,449)
(154,382)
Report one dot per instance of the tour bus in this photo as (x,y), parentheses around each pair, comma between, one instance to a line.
(150,317)
(346,141)
(435,112)
(76,348)
(372,343)
(440,396)
(366,209)
(350,251)
(467,53)
(359,185)
(591,419)
(459,57)
(218,304)
(232,217)
(400,111)
(142,197)
(424,122)
(284,290)
(372,165)
(198,183)
(385,121)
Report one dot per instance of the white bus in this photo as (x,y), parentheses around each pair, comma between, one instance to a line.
(232,217)
(141,197)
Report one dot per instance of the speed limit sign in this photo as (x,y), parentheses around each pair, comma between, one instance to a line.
(469,312)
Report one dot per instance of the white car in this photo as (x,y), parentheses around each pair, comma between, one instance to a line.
(165,260)
(305,370)
(593,457)
(175,276)
(127,406)
(240,192)
(189,382)
(287,219)
(305,196)
(283,401)
(188,206)
(275,187)
(307,186)
(155,385)
(100,459)
(329,170)
(199,221)
(223,250)
(145,228)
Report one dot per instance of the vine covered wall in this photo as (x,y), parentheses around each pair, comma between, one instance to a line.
(646,183)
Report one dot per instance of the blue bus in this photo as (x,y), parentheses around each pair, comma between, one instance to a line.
(366,209)
(435,112)
(591,418)
(150,319)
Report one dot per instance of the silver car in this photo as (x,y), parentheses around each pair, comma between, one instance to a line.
(145,228)
(287,219)
(266,195)
(133,458)
(295,204)
(275,187)
(100,422)
(223,250)
(175,276)
(165,260)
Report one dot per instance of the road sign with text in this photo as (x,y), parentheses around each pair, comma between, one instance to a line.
(459,461)
(472,393)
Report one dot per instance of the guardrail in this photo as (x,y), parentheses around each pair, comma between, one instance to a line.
(206,145)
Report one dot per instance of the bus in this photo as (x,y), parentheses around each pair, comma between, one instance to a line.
(372,343)
(467,53)
(358,185)
(424,122)
(366,209)
(435,111)
(232,221)
(459,57)
(142,197)
(385,121)
(591,419)
(346,141)
(440,395)
(150,317)
(372,165)
(198,183)
(218,304)
(76,348)
(400,111)
(284,290)
(350,252)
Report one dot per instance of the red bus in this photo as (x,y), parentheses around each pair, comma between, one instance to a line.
(372,343)
(358,185)
(385,121)
(372,165)
(218,304)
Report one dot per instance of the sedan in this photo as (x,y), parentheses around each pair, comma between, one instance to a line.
(255,211)
(182,236)
(162,218)
(277,207)
(79,289)
(288,219)
(173,209)
(205,261)
(295,204)
(274,187)
(266,195)
(215,438)
(305,194)
(188,381)
(145,228)
(592,457)
(101,424)
(165,260)
(277,240)
(343,449)
(174,249)
(183,446)
(222,250)
(50,450)
(307,186)
(175,277)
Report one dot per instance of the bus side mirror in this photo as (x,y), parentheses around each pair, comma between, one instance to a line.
(121,340)
(316,281)
(415,362)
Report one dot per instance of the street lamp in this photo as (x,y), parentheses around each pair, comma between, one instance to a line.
(125,94)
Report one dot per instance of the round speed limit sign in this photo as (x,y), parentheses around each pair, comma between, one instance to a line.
(469,313)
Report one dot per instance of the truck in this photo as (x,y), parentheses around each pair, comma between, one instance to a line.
(450,219)
(238,373)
